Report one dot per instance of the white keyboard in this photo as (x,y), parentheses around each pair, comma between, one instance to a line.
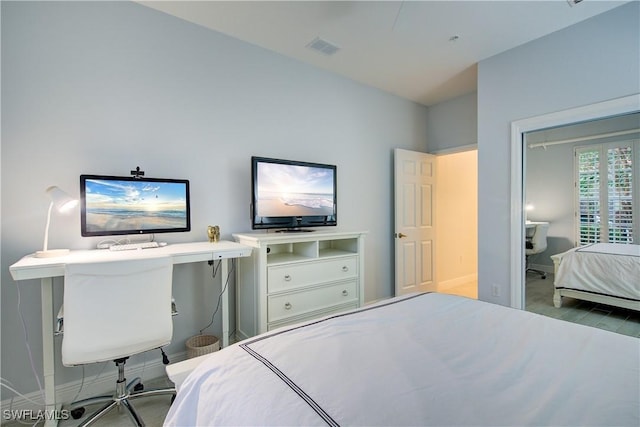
(134,246)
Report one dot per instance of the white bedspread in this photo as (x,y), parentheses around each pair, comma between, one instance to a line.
(429,359)
(602,268)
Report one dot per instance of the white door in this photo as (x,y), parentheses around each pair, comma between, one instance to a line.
(415,183)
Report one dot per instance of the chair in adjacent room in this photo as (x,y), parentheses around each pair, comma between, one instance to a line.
(536,244)
(114,310)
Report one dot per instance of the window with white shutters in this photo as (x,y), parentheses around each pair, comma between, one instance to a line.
(620,194)
(589,195)
(605,193)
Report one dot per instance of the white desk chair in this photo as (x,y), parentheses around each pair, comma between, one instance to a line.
(113,310)
(536,245)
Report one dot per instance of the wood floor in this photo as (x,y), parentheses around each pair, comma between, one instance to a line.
(539,299)
(469,290)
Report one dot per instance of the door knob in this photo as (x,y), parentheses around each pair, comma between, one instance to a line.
(401,235)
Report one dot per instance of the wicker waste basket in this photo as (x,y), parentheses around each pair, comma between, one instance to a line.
(202,344)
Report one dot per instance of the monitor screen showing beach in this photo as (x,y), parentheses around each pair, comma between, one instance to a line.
(290,190)
(134,206)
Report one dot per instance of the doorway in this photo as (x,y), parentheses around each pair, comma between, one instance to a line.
(519,128)
(449,255)
(457,224)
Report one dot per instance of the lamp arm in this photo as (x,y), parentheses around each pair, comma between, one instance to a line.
(46,229)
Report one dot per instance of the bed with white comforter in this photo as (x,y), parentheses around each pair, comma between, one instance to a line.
(426,359)
(601,272)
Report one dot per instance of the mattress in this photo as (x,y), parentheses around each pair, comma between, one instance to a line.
(611,269)
(425,359)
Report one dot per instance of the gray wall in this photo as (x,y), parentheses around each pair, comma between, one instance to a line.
(103,87)
(595,60)
(453,125)
(549,187)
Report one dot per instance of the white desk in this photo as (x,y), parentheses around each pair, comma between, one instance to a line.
(45,269)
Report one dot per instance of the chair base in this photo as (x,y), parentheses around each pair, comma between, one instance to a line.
(540,272)
(527,269)
(124,394)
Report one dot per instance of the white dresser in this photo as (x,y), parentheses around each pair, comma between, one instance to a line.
(298,276)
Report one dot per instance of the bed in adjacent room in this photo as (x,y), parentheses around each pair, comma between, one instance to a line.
(607,273)
(423,359)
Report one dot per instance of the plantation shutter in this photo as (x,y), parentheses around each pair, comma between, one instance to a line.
(604,193)
(588,162)
(620,194)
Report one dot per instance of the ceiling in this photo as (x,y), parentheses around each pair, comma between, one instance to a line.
(424,51)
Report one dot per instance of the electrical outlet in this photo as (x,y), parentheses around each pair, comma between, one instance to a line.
(495,290)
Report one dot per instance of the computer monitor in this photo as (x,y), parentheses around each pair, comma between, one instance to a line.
(112,205)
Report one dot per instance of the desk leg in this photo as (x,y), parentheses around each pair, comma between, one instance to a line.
(48,350)
(225,302)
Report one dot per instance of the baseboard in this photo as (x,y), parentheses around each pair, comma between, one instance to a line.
(452,283)
(105,384)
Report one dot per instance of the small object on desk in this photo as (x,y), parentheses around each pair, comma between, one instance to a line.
(213,232)
(133,246)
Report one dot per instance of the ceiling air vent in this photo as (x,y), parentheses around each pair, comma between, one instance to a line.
(323,46)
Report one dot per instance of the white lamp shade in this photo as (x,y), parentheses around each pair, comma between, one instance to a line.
(61,200)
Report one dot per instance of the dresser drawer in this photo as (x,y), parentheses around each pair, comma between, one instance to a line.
(293,304)
(314,315)
(284,277)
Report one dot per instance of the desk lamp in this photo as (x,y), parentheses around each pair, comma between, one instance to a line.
(63,203)
(528,208)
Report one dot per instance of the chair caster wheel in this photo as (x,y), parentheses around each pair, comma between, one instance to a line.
(544,277)
(138,387)
(77,413)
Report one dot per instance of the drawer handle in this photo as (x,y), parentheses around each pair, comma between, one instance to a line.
(287,278)
(345,268)
(345,293)
(287,306)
